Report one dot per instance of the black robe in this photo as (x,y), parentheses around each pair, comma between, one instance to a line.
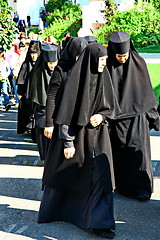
(129,131)
(24,86)
(89,174)
(40,83)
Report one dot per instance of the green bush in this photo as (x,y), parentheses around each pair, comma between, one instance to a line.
(8,29)
(68,11)
(142,24)
(63,17)
(59,27)
(32,30)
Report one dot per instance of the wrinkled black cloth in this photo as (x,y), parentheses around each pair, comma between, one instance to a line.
(40,83)
(131,83)
(42,142)
(129,131)
(86,92)
(24,115)
(130,139)
(92,93)
(24,87)
(68,58)
(94,210)
(53,94)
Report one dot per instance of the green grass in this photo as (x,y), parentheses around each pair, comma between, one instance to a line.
(154,72)
(150,49)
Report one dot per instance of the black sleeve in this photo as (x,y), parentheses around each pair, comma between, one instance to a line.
(67,134)
(53,90)
(153,118)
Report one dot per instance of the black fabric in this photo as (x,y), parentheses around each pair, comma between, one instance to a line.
(40,82)
(120,42)
(24,77)
(94,210)
(95,94)
(90,39)
(75,174)
(66,62)
(93,91)
(129,132)
(73,49)
(42,74)
(131,82)
(42,142)
(132,155)
(24,115)
(24,88)
(50,53)
(58,77)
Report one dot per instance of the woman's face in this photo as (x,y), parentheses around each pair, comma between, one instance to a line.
(52,65)
(122,58)
(102,63)
(34,56)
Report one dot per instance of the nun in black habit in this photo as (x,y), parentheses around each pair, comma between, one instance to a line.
(130,131)
(40,81)
(24,85)
(68,58)
(78,175)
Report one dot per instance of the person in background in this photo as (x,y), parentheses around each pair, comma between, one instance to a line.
(17,59)
(24,87)
(16,17)
(130,131)
(21,26)
(4,73)
(67,60)
(29,20)
(39,86)
(78,176)
(66,39)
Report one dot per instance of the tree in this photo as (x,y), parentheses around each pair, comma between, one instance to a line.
(8,29)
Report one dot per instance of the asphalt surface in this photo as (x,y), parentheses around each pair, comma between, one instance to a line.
(20,194)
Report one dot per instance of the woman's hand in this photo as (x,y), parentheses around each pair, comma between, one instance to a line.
(69,152)
(48,132)
(19,97)
(96,119)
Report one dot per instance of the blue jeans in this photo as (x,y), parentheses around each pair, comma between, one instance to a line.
(15,88)
(3,90)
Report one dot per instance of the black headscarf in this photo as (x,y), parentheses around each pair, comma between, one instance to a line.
(90,39)
(74,48)
(26,71)
(87,91)
(42,74)
(131,79)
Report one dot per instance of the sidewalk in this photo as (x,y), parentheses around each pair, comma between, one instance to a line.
(20,185)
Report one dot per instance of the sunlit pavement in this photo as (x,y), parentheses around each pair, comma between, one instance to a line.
(20,189)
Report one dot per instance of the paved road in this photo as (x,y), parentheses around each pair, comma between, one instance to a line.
(20,188)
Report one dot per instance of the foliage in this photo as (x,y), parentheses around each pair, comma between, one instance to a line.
(110,11)
(142,24)
(52,5)
(32,30)
(7,28)
(64,16)
(67,11)
(58,28)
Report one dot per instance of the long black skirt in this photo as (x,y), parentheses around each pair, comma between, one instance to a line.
(89,211)
(42,143)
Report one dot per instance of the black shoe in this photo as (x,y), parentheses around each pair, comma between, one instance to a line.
(7,106)
(105,233)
